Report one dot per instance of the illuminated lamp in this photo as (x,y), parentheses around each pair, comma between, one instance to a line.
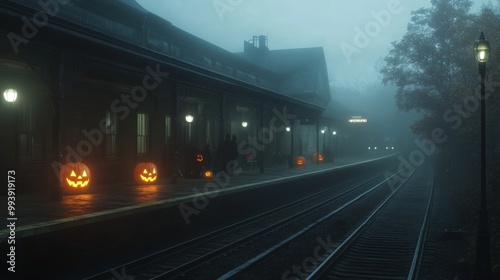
(10,95)
(482,49)
(189,118)
(145,173)
(244,124)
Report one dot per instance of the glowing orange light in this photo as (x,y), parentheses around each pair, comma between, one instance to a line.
(199,157)
(145,173)
(208,174)
(300,161)
(316,158)
(75,175)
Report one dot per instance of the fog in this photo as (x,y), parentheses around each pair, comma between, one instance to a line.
(331,24)
(356,36)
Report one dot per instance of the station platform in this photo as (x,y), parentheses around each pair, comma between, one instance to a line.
(37,214)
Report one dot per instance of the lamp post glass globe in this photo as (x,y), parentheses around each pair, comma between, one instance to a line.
(334,133)
(288,129)
(10,95)
(482,49)
(189,118)
(244,124)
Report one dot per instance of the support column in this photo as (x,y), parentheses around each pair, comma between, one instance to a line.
(58,92)
(261,151)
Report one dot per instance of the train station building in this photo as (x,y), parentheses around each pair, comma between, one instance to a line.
(113,90)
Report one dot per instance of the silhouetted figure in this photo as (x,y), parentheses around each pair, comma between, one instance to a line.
(207,157)
(193,166)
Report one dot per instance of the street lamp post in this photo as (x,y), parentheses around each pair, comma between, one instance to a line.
(324,137)
(483,267)
(336,146)
(189,119)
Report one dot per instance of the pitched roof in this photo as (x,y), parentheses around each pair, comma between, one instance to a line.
(134,4)
(303,71)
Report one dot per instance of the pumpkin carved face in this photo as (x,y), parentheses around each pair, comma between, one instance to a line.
(199,157)
(145,173)
(316,157)
(75,175)
(300,161)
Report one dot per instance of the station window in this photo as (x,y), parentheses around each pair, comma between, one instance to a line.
(142,133)
(175,50)
(207,61)
(31,141)
(168,128)
(218,66)
(111,132)
(228,70)
(208,131)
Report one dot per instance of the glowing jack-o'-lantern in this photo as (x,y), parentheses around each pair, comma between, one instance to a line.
(300,161)
(145,173)
(316,158)
(207,174)
(75,175)
(199,157)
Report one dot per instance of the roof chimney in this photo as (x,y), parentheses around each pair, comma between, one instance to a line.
(257,46)
(262,42)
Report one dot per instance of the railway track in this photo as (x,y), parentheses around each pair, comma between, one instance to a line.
(175,261)
(389,244)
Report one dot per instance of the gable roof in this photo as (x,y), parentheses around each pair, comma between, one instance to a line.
(133,4)
(303,71)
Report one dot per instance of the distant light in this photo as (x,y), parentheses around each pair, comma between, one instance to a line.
(375,148)
(393,148)
(244,124)
(387,148)
(189,118)
(10,95)
(357,120)
(323,131)
(369,148)
(288,128)
(334,133)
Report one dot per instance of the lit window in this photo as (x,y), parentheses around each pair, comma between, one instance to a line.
(142,133)
(111,132)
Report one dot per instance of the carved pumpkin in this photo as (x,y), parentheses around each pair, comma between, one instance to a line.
(199,157)
(300,161)
(316,158)
(75,175)
(145,173)
(207,174)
